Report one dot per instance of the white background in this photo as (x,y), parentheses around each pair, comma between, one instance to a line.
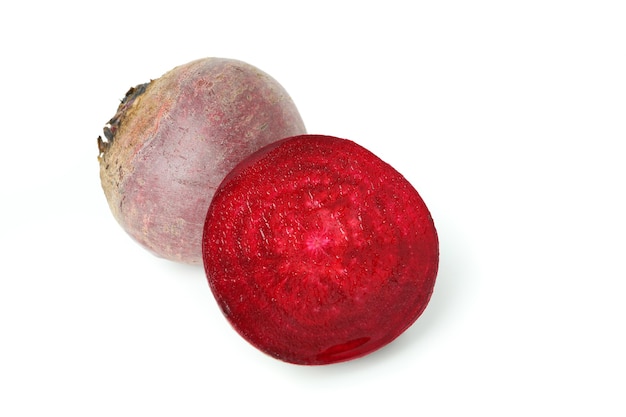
(507,116)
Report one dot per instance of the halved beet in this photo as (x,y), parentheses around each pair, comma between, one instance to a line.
(318,252)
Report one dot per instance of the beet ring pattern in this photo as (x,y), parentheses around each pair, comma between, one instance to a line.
(317,251)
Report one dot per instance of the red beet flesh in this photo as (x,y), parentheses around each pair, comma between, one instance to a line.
(319,252)
(173,141)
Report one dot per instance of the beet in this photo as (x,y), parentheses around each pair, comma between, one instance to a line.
(318,252)
(174,139)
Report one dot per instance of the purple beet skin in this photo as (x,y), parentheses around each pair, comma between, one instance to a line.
(174,139)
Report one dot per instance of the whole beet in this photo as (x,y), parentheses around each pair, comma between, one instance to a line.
(174,139)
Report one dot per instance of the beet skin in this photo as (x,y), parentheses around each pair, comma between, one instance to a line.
(174,139)
(319,252)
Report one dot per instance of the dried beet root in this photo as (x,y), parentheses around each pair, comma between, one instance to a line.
(174,139)
(319,252)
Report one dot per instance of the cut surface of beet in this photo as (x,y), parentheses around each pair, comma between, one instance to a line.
(319,252)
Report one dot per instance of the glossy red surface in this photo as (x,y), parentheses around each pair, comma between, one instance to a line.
(319,252)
